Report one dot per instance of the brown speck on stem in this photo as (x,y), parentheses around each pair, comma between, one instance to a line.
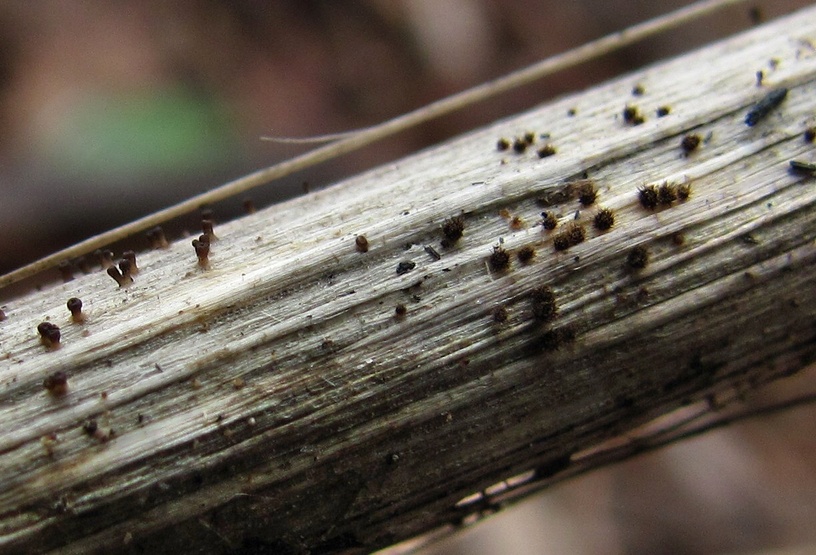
(546,151)
(75,306)
(526,254)
(631,116)
(499,260)
(123,281)
(549,221)
(249,206)
(516,223)
(499,314)
(90,427)
(543,304)
(452,229)
(678,239)
(130,256)
(56,383)
(361,243)
(157,239)
(401,310)
(604,219)
(648,197)
(638,258)
(49,335)
(202,250)
(2,315)
(689,143)
(587,192)
(66,270)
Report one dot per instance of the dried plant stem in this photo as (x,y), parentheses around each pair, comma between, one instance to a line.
(347,143)
(301,394)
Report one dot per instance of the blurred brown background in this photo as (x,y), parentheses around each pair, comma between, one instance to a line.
(111,110)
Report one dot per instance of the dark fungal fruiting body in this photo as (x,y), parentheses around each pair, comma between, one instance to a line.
(405,266)
(648,197)
(157,239)
(543,304)
(502,144)
(765,106)
(49,335)
(632,116)
(83,265)
(126,269)
(400,310)
(638,258)
(576,233)
(663,111)
(666,194)
(499,314)
(130,256)
(571,236)
(56,384)
(526,254)
(810,134)
(690,143)
(499,260)
(554,340)
(549,221)
(638,90)
(122,280)
(452,230)
(105,258)
(587,192)
(361,243)
(520,145)
(683,192)
(75,307)
(202,250)
(66,271)
(604,219)
(561,242)
(546,151)
(529,137)
(207,229)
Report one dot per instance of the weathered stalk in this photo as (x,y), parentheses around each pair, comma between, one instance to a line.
(296,393)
